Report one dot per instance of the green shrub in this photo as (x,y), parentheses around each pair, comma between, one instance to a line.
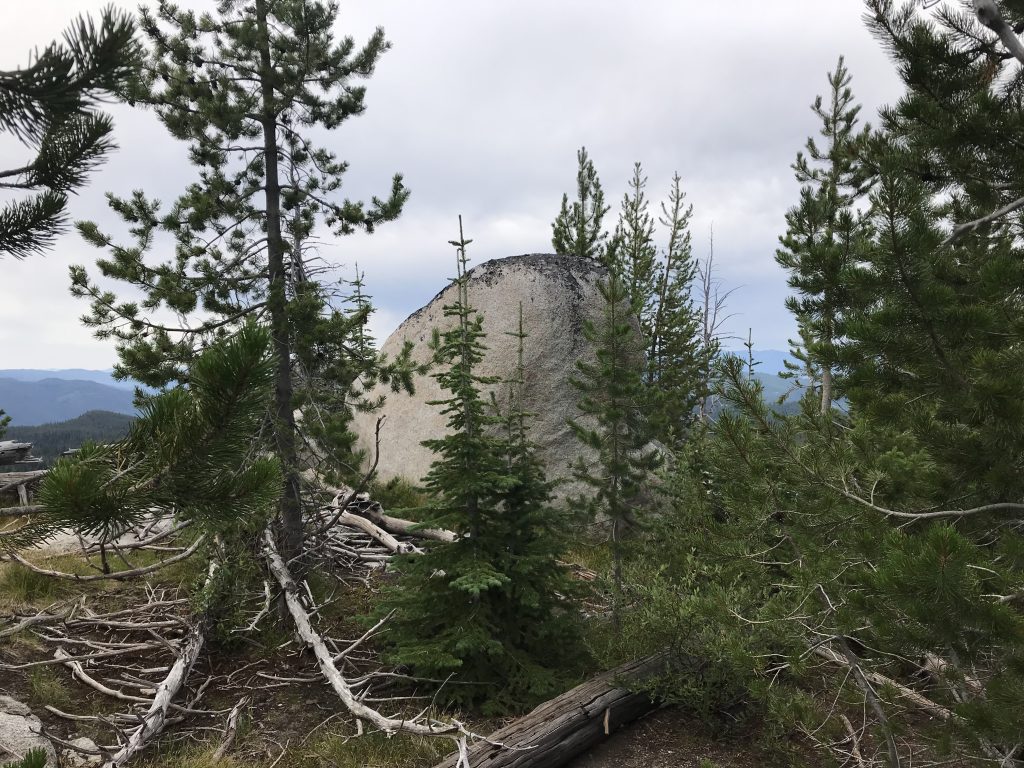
(397,493)
(36,758)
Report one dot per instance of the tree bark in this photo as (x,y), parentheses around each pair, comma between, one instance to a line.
(826,389)
(277,303)
(567,725)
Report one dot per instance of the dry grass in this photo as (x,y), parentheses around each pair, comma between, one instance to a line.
(296,750)
(46,685)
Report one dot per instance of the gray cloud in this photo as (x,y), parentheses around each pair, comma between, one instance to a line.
(482,105)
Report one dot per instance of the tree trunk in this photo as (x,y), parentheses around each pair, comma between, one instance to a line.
(564,727)
(826,389)
(277,303)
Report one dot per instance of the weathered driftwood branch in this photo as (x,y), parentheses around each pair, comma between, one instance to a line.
(910,696)
(569,724)
(230,730)
(375,513)
(65,659)
(989,15)
(40,618)
(79,673)
(370,528)
(119,576)
(156,717)
(21,511)
(11,480)
(325,661)
(407,527)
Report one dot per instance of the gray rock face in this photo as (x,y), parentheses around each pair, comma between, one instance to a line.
(21,731)
(72,758)
(558,295)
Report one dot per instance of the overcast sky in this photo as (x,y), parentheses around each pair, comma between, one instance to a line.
(482,106)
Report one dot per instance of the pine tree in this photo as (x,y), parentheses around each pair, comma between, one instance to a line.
(614,424)
(50,107)
(188,454)
(660,295)
(892,534)
(678,356)
(244,88)
(577,230)
(637,253)
(482,610)
(819,249)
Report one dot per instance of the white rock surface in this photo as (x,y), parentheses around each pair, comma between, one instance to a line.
(71,758)
(21,731)
(558,294)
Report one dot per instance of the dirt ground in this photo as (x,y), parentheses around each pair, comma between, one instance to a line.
(666,739)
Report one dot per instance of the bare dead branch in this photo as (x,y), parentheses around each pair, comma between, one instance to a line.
(989,15)
(972,226)
(120,575)
(155,718)
(230,730)
(416,726)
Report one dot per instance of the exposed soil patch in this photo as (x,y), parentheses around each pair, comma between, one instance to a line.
(667,738)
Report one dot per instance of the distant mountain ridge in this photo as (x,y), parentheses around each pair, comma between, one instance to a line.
(52,399)
(33,396)
(66,374)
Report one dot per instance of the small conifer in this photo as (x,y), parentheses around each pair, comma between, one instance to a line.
(484,610)
(614,423)
(577,230)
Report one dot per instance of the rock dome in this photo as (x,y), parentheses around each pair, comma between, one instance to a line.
(558,294)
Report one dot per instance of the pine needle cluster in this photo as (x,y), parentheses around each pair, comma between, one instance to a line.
(50,107)
(191,454)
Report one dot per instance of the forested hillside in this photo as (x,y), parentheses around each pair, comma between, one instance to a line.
(50,440)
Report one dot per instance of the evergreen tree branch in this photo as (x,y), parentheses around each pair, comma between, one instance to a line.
(31,226)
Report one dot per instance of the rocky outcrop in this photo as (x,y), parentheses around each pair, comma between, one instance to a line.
(558,294)
(20,732)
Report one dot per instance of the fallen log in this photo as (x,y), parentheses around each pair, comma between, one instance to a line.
(12,480)
(406,527)
(21,511)
(568,725)
(368,527)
